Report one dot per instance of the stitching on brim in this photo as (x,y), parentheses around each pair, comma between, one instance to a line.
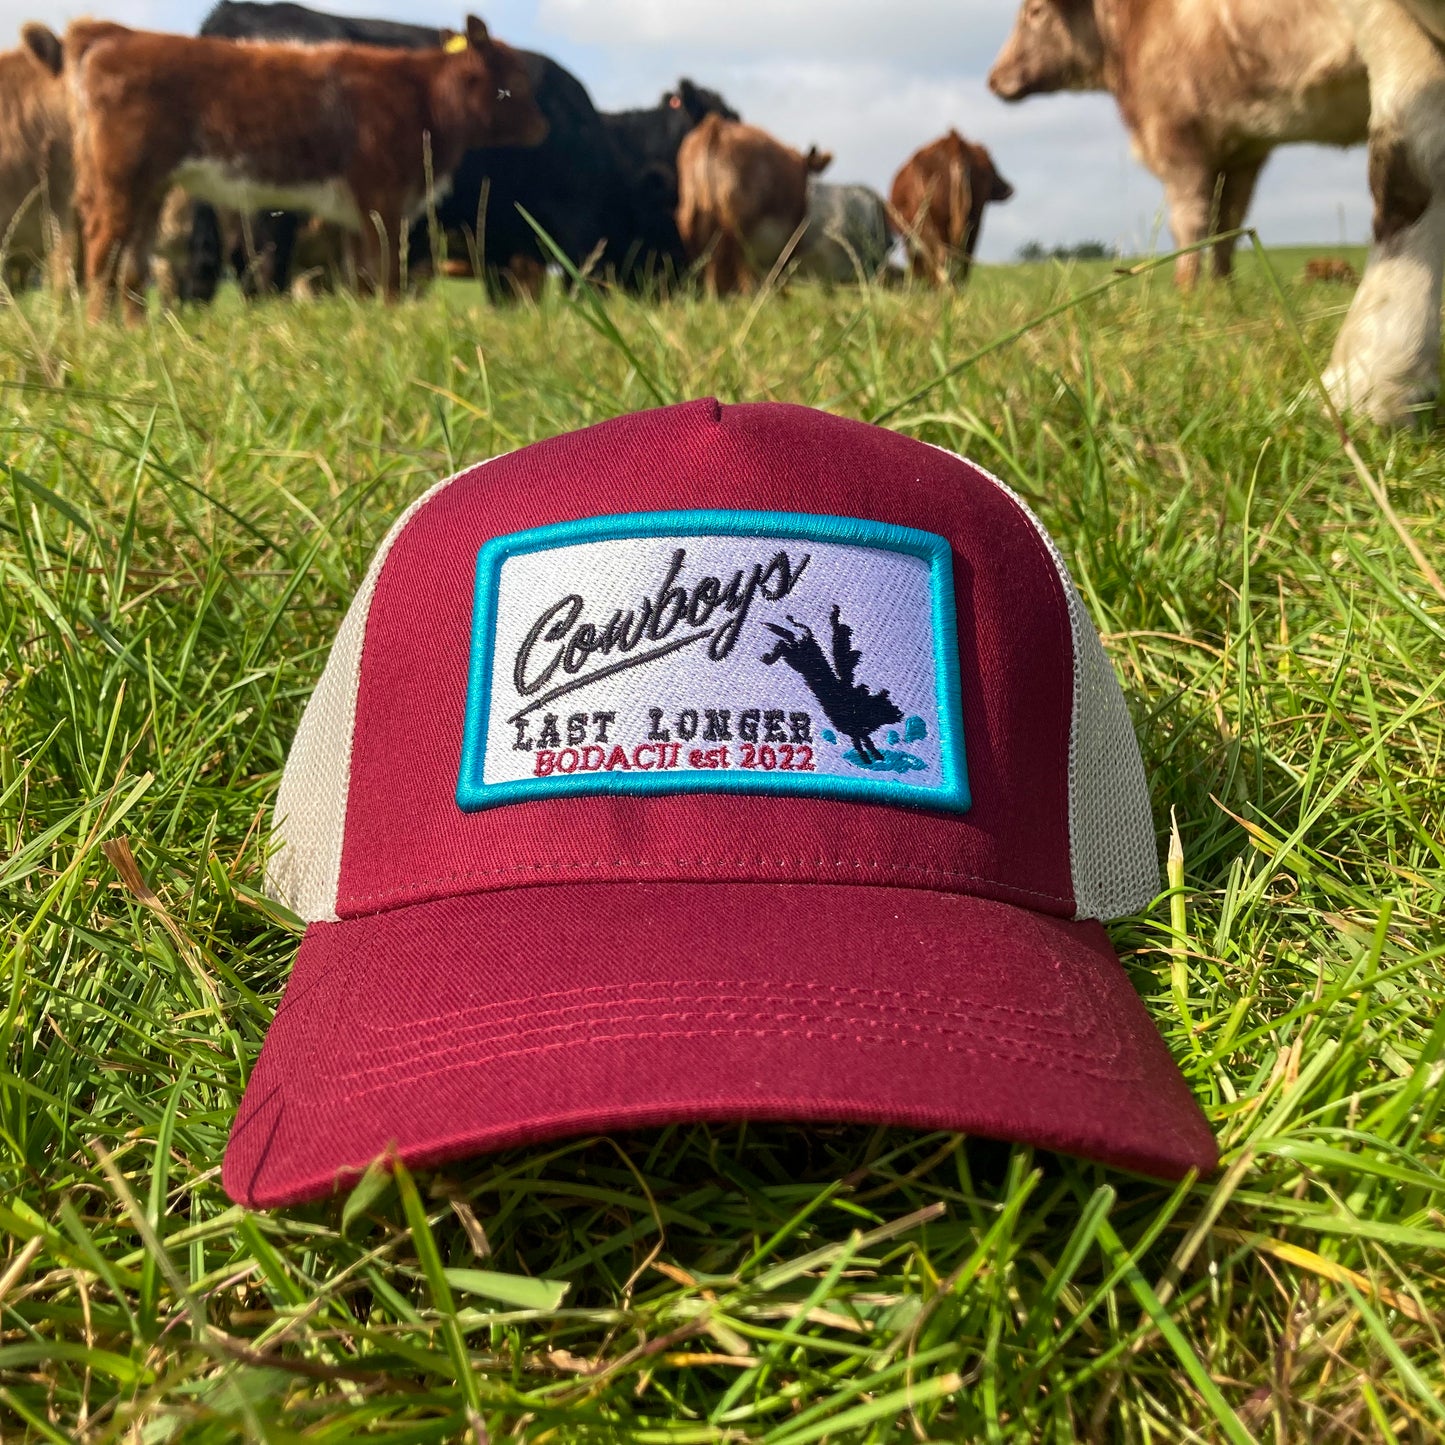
(1026,1047)
(763,1029)
(780,991)
(549,1023)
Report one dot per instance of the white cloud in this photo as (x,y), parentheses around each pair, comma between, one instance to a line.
(920,33)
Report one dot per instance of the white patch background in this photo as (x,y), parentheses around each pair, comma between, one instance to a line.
(885,598)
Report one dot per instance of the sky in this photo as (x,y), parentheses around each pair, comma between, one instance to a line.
(871,82)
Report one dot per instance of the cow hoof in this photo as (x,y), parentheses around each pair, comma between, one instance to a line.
(1386,401)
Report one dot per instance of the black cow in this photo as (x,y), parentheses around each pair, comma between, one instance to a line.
(645,143)
(602,187)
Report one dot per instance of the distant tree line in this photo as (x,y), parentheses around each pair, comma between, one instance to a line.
(1079,251)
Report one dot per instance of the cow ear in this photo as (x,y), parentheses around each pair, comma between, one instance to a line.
(43,44)
(477,33)
(819,161)
(692,102)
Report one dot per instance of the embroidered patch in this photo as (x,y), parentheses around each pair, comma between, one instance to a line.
(742,652)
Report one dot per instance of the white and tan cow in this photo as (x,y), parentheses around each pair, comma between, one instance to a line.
(1208,88)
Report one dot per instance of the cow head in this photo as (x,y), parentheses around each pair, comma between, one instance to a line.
(43,45)
(481,94)
(1055,45)
(985,177)
(697,103)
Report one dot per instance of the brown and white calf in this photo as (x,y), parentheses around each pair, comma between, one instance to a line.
(742,198)
(937,202)
(35,171)
(1207,89)
(350,133)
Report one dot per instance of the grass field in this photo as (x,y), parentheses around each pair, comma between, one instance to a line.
(187,511)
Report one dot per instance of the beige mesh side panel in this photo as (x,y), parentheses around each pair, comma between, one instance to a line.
(1112,852)
(304,871)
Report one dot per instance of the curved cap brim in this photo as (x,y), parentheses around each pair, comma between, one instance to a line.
(454,1027)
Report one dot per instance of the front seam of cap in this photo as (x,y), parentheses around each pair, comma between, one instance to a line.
(1091,898)
(384,895)
(1055,560)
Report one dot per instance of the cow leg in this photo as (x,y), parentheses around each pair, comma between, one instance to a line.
(1386,361)
(106,226)
(1189,194)
(970,240)
(1235,193)
(272,245)
(378,268)
(136,267)
(526,277)
(726,270)
(927,254)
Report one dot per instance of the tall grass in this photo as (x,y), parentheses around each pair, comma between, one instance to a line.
(188,510)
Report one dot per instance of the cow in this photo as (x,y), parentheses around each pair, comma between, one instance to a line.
(742,200)
(347,132)
(603,187)
(847,237)
(937,203)
(645,144)
(1206,90)
(260,248)
(1331,269)
(555,180)
(35,162)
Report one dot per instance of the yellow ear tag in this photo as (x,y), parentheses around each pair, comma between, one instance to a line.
(455,45)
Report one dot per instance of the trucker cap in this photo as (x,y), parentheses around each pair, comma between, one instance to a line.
(713,763)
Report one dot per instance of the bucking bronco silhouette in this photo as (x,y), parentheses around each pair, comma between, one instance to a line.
(852,708)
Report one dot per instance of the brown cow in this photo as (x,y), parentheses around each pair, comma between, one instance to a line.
(937,205)
(1331,268)
(35,170)
(1207,90)
(742,197)
(342,131)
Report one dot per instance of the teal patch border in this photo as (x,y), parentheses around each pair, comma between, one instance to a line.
(953,795)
